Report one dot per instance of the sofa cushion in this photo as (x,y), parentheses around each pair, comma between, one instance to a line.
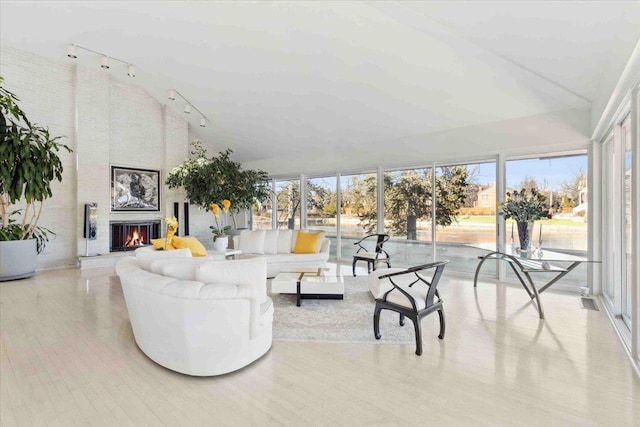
(179,268)
(191,243)
(146,256)
(307,243)
(284,241)
(252,242)
(252,271)
(271,241)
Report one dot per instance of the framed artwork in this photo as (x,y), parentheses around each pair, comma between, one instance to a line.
(135,189)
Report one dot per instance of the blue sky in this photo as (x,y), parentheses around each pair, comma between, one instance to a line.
(549,173)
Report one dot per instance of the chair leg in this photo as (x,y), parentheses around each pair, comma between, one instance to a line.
(353,267)
(418,328)
(401,319)
(376,322)
(369,265)
(441,315)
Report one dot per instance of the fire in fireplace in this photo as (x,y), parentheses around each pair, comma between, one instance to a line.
(129,235)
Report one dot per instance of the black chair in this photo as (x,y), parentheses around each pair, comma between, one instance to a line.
(372,258)
(410,293)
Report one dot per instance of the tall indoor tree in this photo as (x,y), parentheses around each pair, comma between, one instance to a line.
(208,180)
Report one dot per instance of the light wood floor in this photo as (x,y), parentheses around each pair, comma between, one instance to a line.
(68,357)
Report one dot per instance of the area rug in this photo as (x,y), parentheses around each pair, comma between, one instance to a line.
(347,320)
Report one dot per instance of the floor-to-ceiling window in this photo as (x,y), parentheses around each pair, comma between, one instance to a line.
(465,214)
(408,208)
(563,181)
(358,209)
(262,214)
(288,204)
(610,235)
(620,192)
(322,207)
(627,260)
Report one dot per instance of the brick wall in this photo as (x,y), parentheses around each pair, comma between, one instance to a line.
(117,124)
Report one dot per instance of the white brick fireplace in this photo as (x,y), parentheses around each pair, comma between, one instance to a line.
(106,122)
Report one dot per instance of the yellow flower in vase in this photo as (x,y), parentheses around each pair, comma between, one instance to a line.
(220,229)
(215,209)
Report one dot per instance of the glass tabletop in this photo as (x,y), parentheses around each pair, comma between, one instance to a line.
(537,255)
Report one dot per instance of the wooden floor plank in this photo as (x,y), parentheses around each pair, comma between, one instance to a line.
(68,357)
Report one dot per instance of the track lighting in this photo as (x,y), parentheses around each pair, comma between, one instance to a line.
(188,105)
(72,50)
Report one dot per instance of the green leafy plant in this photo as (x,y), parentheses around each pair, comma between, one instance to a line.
(28,164)
(207,181)
(524,206)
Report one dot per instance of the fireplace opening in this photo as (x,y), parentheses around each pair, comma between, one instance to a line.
(129,235)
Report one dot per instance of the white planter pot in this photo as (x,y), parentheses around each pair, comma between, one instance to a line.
(18,259)
(221,243)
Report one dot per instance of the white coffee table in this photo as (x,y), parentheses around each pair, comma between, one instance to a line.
(308,284)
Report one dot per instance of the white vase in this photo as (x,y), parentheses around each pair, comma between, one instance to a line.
(221,243)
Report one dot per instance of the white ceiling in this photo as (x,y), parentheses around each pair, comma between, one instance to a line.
(325,86)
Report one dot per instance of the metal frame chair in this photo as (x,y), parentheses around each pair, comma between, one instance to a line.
(372,258)
(409,301)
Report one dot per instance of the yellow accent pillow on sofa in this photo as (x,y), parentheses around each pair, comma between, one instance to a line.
(159,244)
(191,243)
(307,243)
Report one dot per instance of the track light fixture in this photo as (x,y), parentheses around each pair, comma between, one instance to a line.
(187,106)
(72,52)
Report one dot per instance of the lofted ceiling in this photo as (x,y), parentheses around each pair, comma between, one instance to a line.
(310,87)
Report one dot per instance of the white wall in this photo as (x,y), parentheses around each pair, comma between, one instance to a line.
(117,124)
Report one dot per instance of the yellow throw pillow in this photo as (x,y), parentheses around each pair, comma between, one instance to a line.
(191,243)
(159,244)
(307,243)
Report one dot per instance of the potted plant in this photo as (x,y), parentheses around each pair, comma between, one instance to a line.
(525,207)
(220,229)
(218,180)
(28,164)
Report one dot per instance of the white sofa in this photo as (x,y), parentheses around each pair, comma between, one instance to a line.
(277,248)
(196,316)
